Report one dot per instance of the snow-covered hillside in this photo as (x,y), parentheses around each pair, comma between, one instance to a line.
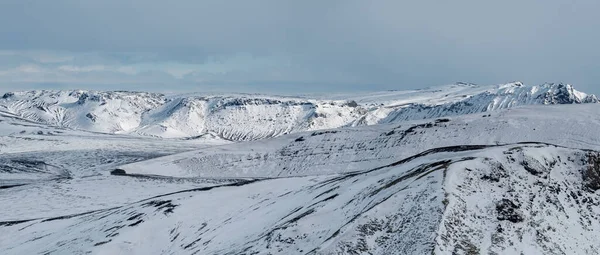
(243,117)
(358,148)
(500,180)
(513,199)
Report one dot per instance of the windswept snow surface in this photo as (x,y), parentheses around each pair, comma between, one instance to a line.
(47,171)
(412,172)
(525,198)
(244,117)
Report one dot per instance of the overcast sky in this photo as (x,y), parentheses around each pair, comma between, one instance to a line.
(296,46)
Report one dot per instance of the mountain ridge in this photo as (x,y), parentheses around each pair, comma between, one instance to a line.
(242,117)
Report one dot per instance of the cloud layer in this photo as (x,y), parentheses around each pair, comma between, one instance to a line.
(299,45)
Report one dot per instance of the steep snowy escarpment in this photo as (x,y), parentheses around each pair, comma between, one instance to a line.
(243,117)
(514,199)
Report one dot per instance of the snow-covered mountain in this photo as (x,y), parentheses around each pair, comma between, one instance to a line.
(242,117)
(501,180)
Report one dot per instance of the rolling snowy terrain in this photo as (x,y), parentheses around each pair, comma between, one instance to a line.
(359,148)
(459,169)
(242,117)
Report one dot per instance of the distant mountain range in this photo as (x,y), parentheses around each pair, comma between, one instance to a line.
(240,117)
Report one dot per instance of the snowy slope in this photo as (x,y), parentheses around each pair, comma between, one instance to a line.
(524,198)
(357,148)
(510,181)
(244,117)
(35,150)
(48,171)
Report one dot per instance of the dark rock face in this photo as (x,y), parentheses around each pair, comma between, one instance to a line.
(352,104)
(8,95)
(118,172)
(226,102)
(82,98)
(565,94)
(590,99)
(508,210)
(91,116)
(591,175)
(86,97)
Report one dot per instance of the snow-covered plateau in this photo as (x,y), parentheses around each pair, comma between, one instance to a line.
(457,169)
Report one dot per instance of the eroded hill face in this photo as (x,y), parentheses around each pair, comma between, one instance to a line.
(252,117)
(528,198)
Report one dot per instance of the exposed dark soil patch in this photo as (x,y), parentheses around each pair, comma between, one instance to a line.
(508,210)
(324,132)
(118,172)
(11,186)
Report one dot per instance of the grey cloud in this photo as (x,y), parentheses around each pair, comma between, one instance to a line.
(377,44)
